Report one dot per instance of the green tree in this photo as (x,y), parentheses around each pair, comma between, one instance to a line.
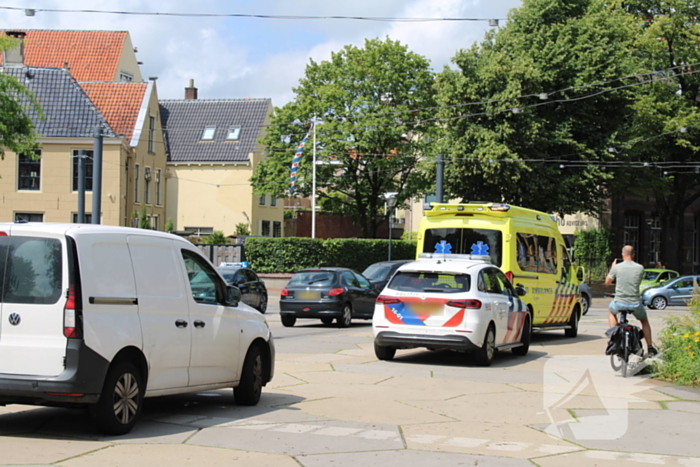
(17,105)
(664,125)
(538,151)
(373,106)
(216,238)
(242,229)
(144,221)
(169,225)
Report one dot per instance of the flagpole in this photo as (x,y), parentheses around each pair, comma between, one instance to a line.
(313,187)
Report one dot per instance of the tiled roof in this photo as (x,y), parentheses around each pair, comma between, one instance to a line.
(68,112)
(118,102)
(185,120)
(91,55)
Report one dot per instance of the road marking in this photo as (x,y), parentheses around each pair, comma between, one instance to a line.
(466,442)
(337,431)
(258,427)
(603,455)
(508,446)
(647,458)
(689,462)
(296,428)
(377,434)
(425,439)
(555,449)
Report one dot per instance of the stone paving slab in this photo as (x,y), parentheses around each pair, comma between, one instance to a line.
(42,450)
(615,459)
(177,456)
(688,394)
(408,458)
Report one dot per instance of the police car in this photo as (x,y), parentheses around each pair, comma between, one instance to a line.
(451,301)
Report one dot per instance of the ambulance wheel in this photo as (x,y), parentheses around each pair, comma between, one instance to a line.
(524,338)
(573,325)
(384,352)
(485,354)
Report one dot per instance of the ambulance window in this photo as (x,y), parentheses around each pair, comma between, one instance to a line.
(465,242)
(537,253)
(567,263)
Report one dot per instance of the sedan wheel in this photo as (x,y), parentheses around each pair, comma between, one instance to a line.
(659,303)
(288,320)
(262,308)
(345,320)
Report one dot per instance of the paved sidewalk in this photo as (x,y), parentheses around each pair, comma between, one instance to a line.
(333,403)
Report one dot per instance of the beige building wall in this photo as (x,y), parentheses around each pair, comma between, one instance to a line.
(128,62)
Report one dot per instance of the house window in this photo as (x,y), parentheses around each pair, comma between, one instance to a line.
(262,200)
(137,179)
(147,185)
(125,77)
(151,134)
(87,154)
(29,172)
(158,200)
(234,133)
(654,240)
(88,218)
(154,222)
(29,216)
(208,134)
(200,230)
(273,201)
(276,229)
(265,228)
(631,235)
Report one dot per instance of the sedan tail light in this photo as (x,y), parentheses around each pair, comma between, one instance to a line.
(464,303)
(284,293)
(336,291)
(386,300)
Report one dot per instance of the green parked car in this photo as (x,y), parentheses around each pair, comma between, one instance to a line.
(656,277)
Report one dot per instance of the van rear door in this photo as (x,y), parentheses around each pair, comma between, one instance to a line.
(34,278)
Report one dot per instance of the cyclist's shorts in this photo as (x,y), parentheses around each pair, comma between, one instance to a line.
(638,310)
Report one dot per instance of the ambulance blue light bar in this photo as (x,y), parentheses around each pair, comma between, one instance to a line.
(499,207)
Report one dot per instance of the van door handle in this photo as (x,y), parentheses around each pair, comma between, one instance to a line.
(199,324)
(181,323)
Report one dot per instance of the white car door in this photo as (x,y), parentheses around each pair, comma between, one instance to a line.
(215,330)
(499,302)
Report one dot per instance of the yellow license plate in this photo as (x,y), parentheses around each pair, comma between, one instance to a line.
(426,308)
(308,295)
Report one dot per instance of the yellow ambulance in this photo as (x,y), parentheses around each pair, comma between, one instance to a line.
(525,244)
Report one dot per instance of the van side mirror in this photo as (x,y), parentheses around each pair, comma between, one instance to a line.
(233,295)
(579,273)
(520,290)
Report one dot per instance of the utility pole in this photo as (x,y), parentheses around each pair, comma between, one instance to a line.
(81,186)
(313,187)
(440,169)
(97,176)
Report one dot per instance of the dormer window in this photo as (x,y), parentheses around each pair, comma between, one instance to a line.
(208,134)
(234,132)
(126,77)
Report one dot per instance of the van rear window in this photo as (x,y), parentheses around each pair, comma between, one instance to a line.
(465,242)
(31,269)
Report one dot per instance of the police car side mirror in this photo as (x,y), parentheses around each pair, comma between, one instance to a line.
(520,290)
(233,295)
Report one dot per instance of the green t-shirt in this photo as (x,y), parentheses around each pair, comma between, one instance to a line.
(627,276)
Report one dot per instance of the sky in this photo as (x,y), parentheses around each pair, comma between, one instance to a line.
(260,58)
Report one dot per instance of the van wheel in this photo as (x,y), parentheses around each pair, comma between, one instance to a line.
(249,388)
(121,400)
(345,320)
(262,307)
(573,323)
(524,338)
(288,320)
(485,354)
(384,352)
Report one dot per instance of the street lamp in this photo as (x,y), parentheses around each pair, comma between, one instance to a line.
(391,203)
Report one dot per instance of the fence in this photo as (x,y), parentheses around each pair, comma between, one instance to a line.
(218,254)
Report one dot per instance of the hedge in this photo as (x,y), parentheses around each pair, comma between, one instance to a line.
(291,254)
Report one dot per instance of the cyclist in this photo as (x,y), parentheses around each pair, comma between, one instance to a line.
(627,276)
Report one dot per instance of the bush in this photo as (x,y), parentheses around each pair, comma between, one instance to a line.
(680,341)
(592,251)
(291,254)
(215,238)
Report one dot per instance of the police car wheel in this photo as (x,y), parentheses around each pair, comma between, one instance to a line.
(384,352)
(524,338)
(485,354)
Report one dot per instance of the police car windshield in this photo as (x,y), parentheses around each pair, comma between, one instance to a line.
(465,241)
(433,282)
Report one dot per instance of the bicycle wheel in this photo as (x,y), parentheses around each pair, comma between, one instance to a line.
(625,355)
(615,362)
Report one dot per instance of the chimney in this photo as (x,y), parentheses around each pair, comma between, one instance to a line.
(191,91)
(14,56)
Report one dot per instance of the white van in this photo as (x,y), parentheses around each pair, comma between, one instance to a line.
(105,316)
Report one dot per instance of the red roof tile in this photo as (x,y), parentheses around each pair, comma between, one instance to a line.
(91,55)
(120,103)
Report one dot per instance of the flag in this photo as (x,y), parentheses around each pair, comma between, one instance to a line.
(295,162)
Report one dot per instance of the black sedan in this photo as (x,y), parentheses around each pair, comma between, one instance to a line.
(327,294)
(253,290)
(380,273)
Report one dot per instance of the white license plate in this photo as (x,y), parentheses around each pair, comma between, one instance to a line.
(308,295)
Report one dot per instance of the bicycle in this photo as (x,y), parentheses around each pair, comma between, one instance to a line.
(631,343)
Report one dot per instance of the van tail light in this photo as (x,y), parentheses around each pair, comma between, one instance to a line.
(386,300)
(464,304)
(336,291)
(3,234)
(70,320)
(284,293)
(510,276)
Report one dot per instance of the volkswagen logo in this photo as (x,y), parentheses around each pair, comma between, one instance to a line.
(14,319)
